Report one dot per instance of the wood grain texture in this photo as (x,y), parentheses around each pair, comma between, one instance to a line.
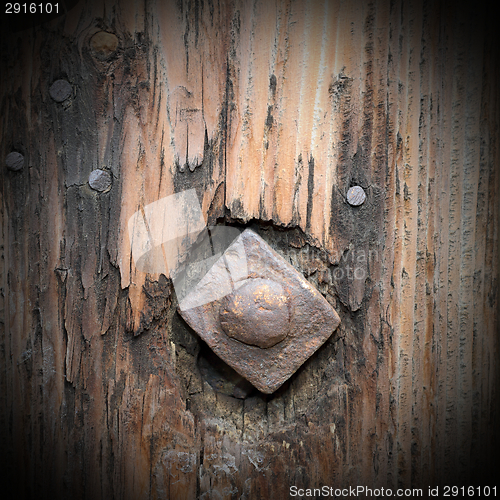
(270,110)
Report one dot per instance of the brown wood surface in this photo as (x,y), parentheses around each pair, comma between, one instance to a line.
(271,111)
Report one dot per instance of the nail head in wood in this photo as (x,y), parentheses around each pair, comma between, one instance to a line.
(14,161)
(356,196)
(100,180)
(60,90)
(271,322)
(257,313)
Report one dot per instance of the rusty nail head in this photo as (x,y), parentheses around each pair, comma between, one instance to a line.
(356,196)
(271,322)
(257,313)
(14,161)
(100,180)
(60,90)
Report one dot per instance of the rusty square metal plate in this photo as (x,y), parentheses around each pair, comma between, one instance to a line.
(267,321)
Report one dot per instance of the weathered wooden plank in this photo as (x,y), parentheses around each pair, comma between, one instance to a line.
(270,111)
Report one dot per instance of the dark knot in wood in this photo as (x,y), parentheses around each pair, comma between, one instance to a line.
(257,313)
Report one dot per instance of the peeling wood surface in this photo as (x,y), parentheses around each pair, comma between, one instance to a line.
(271,111)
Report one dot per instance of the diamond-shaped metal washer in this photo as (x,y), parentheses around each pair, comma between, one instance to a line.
(271,322)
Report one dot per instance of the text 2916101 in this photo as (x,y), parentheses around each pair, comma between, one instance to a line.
(32,8)
(469,491)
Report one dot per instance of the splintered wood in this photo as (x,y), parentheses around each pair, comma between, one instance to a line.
(270,111)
